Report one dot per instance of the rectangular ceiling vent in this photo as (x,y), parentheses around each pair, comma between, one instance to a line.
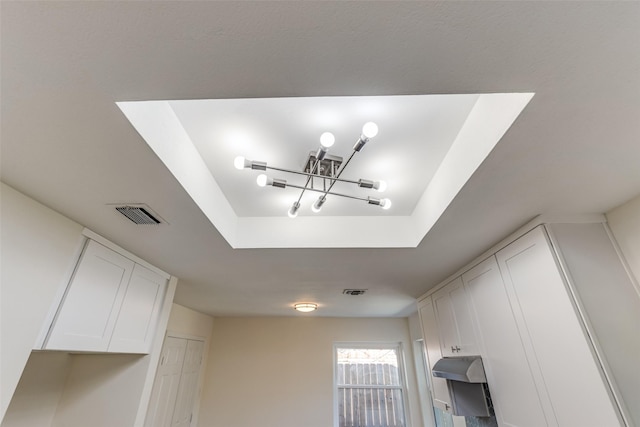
(139,214)
(354,292)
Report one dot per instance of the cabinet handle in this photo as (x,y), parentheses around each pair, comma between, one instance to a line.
(457,349)
(446,406)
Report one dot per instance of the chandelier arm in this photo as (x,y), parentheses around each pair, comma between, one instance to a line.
(306,185)
(348,196)
(350,181)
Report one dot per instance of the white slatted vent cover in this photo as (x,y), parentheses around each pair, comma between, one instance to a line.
(139,214)
(354,292)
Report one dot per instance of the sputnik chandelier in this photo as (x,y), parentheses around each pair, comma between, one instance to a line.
(322,171)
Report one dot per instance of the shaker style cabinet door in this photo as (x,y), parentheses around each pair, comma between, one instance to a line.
(439,389)
(138,316)
(455,323)
(513,390)
(557,343)
(87,318)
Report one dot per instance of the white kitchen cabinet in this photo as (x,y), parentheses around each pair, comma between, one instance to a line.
(554,338)
(510,375)
(139,312)
(439,390)
(556,316)
(112,304)
(455,323)
(88,314)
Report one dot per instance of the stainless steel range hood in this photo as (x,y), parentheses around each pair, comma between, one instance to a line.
(467,384)
(468,369)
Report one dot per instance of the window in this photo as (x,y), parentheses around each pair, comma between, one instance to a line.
(369,386)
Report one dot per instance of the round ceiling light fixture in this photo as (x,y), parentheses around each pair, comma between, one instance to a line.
(305,307)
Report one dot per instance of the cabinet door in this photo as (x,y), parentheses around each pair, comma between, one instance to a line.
(513,390)
(88,312)
(455,324)
(135,325)
(439,389)
(554,336)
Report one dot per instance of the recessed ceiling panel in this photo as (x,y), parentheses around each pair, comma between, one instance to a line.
(415,133)
(427,147)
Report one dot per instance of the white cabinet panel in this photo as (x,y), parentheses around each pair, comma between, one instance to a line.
(610,303)
(139,313)
(439,389)
(111,305)
(543,309)
(516,399)
(455,324)
(87,318)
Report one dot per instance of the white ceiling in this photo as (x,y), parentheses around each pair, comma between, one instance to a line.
(429,147)
(416,133)
(574,149)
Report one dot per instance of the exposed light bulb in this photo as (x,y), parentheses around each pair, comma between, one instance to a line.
(239,162)
(380,186)
(317,206)
(370,129)
(293,210)
(262,180)
(327,139)
(385,204)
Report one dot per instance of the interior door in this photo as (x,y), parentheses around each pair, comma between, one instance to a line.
(165,387)
(176,384)
(187,391)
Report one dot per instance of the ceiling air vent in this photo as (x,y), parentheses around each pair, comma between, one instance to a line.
(139,214)
(354,291)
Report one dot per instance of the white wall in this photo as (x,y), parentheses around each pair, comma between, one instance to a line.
(38,249)
(36,398)
(102,390)
(278,372)
(624,222)
(185,321)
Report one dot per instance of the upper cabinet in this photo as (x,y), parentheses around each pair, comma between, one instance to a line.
(545,312)
(455,323)
(554,315)
(112,304)
(513,387)
(438,386)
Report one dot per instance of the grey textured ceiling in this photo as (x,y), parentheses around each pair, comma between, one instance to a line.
(575,149)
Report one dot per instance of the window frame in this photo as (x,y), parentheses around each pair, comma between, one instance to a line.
(402,374)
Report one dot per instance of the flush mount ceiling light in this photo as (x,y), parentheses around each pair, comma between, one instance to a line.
(305,307)
(321,171)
